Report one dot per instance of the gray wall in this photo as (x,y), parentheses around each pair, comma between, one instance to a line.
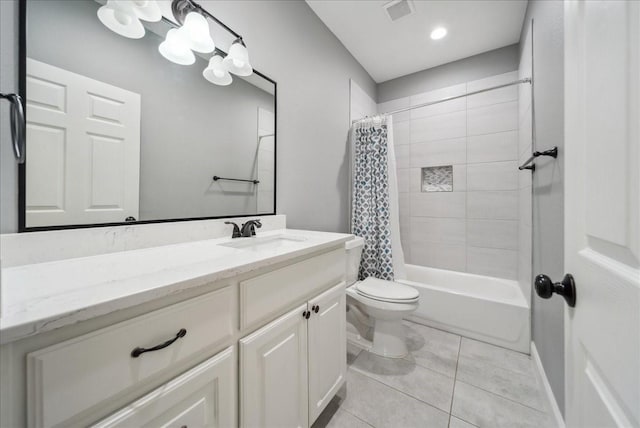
(190,129)
(476,67)
(289,43)
(8,84)
(548,183)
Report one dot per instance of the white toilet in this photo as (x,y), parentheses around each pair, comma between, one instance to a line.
(376,308)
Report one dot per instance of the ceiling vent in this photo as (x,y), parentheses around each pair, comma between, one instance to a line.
(397,9)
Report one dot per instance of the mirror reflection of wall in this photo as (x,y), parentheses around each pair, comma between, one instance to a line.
(115,130)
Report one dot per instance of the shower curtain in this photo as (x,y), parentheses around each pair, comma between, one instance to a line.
(374,198)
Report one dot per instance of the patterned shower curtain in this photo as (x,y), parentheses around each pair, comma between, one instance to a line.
(370,205)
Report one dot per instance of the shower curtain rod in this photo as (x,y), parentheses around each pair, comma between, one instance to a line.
(400,110)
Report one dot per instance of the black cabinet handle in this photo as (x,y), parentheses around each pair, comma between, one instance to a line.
(139,351)
(306,315)
(567,288)
(315,308)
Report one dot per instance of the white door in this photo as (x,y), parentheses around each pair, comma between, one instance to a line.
(83,149)
(602,209)
(273,374)
(205,396)
(327,348)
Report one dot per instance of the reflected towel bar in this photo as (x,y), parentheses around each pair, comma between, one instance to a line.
(216,178)
(551,152)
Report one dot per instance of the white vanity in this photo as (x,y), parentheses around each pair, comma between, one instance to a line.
(250,331)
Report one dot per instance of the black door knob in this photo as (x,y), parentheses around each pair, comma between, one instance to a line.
(567,288)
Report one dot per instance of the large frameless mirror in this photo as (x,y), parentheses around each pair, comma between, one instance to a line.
(118,133)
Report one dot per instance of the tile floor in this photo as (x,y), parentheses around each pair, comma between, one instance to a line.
(445,381)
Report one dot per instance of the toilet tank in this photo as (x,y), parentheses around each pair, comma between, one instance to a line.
(354,253)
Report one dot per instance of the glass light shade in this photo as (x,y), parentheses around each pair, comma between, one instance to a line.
(237,61)
(216,72)
(196,29)
(147,10)
(175,48)
(119,17)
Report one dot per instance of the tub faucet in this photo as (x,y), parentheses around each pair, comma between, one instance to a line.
(249,228)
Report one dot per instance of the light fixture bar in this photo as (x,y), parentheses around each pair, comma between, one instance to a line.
(180,8)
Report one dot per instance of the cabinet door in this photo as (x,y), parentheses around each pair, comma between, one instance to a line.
(205,396)
(327,348)
(273,374)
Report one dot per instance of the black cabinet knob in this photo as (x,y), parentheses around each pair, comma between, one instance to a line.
(567,288)
(316,308)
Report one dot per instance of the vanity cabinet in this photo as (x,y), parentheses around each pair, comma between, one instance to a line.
(204,396)
(291,368)
(68,380)
(261,348)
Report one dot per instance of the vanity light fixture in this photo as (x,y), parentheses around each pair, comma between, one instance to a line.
(216,72)
(438,33)
(176,47)
(237,61)
(196,30)
(148,10)
(123,16)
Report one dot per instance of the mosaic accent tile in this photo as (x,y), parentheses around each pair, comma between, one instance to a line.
(437,179)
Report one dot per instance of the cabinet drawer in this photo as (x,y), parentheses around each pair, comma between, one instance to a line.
(205,396)
(69,378)
(266,296)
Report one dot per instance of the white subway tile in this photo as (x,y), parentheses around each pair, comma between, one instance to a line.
(403,156)
(438,204)
(493,205)
(493,176)
(502,146)
(509,93)
(493,234)
(458,104)
(440,152)
(439,230)
(525,206)
(440,127)
(442,256)
(493,118)
(401,132)
(403,179)
(492,262)
(459,178)
(396,104)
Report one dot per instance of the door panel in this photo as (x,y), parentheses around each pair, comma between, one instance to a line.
(327,348)
(273,370)
(602,223)
(83,141)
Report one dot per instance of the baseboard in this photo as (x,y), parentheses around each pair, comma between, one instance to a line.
(551,399)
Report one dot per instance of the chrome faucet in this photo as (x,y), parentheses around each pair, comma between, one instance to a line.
(249,228)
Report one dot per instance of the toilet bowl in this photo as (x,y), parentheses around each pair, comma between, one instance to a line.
(377,308)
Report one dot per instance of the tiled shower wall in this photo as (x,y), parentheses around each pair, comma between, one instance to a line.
(525,194)
(475,227)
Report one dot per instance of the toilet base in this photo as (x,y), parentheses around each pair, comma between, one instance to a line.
(389,339)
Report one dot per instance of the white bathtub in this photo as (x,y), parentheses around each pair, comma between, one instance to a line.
(492,310)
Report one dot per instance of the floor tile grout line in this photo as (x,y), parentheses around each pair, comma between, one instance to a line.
(519,373)
(504,398)
(400,391)
(356,416)
(455,375)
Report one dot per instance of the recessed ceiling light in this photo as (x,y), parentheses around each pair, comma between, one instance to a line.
(438,33)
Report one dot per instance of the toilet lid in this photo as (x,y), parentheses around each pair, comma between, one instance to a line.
(389,291)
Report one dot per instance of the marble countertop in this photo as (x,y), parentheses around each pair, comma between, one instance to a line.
(46,296)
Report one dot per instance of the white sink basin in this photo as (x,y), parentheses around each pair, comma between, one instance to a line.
(264,243)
